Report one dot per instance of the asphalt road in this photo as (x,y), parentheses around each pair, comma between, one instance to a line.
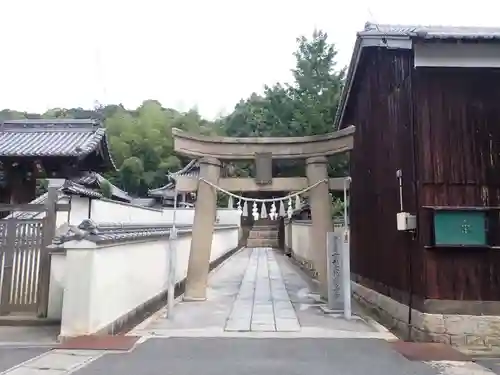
(490,363)
(247,356)
(10,357)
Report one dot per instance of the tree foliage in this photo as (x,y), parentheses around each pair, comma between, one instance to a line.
(141,139)
(105,188)
(304,107)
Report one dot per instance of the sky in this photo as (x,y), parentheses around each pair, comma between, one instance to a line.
(207,54)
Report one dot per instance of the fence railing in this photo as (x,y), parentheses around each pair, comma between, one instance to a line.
(24,256)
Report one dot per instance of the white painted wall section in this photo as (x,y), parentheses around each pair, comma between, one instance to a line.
(98,285)
(298,238)
(458,55)
(106,211)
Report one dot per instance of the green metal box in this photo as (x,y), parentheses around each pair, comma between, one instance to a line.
(460,228)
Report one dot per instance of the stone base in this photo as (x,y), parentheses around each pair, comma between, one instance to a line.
(457,330)
(325,310)
(193,299)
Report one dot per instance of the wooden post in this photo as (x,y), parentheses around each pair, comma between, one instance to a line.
(8,265)
(49,230)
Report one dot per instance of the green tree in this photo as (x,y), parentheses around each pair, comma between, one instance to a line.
(105,188)
(317,85)
(304,107)
(131,174)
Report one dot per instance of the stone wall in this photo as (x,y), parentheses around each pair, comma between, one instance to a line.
(458,330)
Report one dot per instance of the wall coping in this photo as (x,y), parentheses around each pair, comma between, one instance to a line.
(119,233)
(157,209)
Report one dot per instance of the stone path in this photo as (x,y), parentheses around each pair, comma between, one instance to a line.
(262,303)
(258,293)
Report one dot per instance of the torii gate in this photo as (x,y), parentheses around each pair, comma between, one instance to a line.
(211,150)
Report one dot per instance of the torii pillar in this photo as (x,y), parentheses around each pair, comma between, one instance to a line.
(214,149)
(203,229)
(321,215)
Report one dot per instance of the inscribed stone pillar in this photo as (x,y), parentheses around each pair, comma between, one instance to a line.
(203,228)
(321,214)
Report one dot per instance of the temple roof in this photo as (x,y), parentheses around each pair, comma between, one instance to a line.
(93,180)
(71,187)
(68,138)
(192,169)
(86,185)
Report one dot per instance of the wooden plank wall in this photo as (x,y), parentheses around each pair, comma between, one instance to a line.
(380,108)
(458,137)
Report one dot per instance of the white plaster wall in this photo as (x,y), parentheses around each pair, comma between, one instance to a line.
(186,216)
(100,285)
(105,211)
(79,210)
(56,287)
(228,216)
(301,244)
(460,55)
(288,228)
(300,238)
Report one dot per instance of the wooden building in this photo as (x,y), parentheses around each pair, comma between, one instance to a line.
(426,101)
(61,148)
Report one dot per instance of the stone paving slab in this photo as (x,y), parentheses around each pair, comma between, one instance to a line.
(270,298)
(264,291)
(258,293)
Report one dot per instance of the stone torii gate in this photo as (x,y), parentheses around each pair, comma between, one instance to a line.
(212,150)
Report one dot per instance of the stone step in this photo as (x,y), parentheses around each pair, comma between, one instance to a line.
(263,234)
(264,227)
(262,242)
(266,222)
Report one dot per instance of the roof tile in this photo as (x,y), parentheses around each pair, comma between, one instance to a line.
(431,32)
(192,169)
(37,138)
